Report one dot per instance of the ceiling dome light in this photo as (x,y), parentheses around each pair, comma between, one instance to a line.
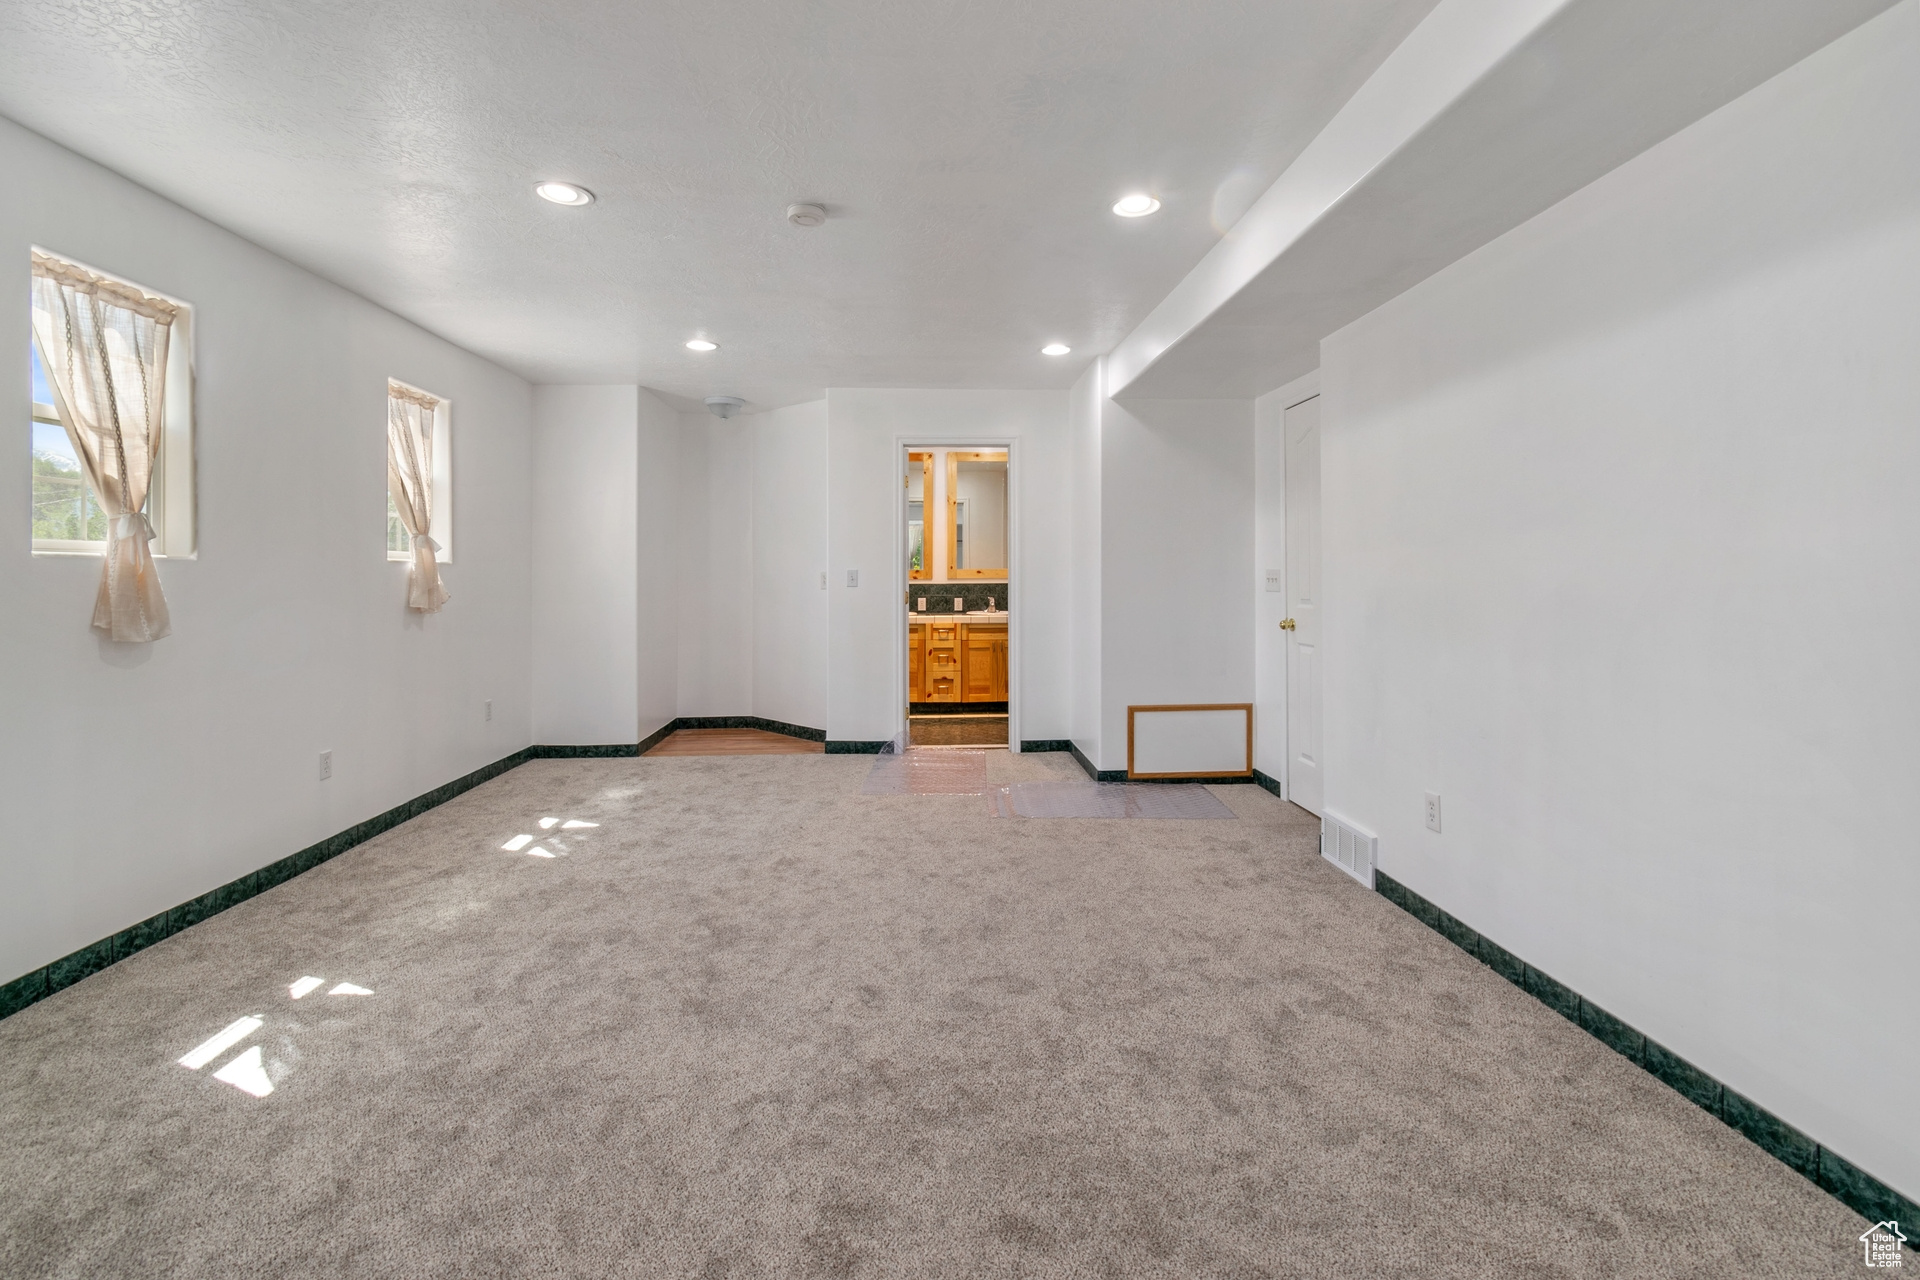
(563,193)
(1055,349)
(1136,206)
(806,215)
(701,344)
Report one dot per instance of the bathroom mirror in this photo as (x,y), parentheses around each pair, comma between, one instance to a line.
(977,513)
(919,488)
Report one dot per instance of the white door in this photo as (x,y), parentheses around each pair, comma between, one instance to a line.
(1302,431)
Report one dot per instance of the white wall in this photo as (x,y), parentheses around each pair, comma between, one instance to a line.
(586,545)
(1270,553)
(714,532)
(789,555)
(866,431)
(1177,486)
(657,567)
(1083,558)
(1620,558)
(135,777)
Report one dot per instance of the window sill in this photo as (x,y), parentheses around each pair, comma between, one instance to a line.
(97,550)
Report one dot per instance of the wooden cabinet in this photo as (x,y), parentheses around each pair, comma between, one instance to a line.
(942,662)
(916,664)
(956,662)
(984,664)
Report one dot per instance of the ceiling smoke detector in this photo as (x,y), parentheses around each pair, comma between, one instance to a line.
(725,406)
(806,215)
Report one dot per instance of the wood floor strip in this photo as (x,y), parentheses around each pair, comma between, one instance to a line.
(734,742)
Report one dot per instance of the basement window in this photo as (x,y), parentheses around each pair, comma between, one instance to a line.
(439,485)
(67,516)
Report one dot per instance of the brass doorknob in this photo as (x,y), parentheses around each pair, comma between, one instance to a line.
(1287,624)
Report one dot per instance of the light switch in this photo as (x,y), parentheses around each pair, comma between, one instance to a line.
(1273,579)
(853,577)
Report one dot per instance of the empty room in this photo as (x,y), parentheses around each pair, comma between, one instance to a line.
(752,640)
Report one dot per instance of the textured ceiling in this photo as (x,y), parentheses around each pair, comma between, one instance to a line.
(968,151)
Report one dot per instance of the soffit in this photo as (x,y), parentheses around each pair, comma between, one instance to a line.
(1571,89)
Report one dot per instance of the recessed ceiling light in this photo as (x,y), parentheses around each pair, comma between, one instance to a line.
(1136,206)
(701,344)
(1055,349)
(563,193)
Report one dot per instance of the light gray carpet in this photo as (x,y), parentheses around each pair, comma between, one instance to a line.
(759,1024)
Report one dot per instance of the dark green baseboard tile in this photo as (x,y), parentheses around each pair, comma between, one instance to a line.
(1045,744)
(1503,962)
(1834,1174)
(1393,891)
(1770,1133)
(855,747)
(1098,775)
(1558,997)
(22,991)
(1861,1191)
(1681,1076)
(592,751)
(1267,781)
(149,931)
(69,969)
(1613,1033)
(791,730)
(1460,935)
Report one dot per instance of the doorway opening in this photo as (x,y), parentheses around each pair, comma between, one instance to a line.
(958,578)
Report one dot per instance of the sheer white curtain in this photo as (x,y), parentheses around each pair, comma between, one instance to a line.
(410,481)
(104,347)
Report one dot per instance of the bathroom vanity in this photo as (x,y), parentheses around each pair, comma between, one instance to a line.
(957,657)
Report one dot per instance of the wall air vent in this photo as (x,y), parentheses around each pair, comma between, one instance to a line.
(1349,848)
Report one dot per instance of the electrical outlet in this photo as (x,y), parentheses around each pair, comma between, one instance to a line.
(1433,810)
(853,577)
(489,706)
(326,765)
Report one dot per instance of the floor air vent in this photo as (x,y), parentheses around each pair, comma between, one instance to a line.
(1348,848)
